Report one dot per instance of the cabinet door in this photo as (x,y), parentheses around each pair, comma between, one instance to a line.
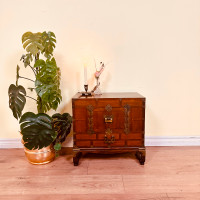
(83,126)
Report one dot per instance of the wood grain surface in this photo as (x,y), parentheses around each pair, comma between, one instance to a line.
(111,120)
(170,173)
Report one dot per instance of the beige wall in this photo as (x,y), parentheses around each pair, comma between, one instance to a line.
(151,46)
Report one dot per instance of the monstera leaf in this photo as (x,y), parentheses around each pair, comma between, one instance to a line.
(48,42)
(32,42)
(27,59)
(17,99)
(37,130)
(17,74)
(62,125)
(47,84)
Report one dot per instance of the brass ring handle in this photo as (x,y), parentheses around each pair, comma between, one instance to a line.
(109,141)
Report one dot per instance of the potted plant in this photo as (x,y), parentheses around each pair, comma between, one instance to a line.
(42,134)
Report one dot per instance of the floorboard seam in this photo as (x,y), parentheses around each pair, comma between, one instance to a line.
(123,183)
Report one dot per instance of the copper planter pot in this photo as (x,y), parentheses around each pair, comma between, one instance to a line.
(40,157)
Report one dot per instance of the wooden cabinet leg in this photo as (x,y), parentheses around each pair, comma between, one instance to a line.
(76,157)
(140,155)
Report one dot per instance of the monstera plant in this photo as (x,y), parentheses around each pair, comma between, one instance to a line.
(40,130)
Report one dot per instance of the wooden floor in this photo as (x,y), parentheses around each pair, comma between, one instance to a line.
(169,173)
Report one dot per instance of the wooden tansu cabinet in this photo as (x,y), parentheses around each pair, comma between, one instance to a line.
(111,122)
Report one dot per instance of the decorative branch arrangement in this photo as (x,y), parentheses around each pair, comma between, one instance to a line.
(96,89)
(40,130)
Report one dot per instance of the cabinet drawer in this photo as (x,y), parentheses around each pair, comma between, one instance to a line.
(103,140)
(84,102)
(112,102)
(133,102)
(98,103)
(83,136)
(82,144)
(101,136)
(119,143)
(135,143)
(132,136)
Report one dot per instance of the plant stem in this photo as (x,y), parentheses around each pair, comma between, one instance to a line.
(31,89)
(32,69)
(30,97)
(59,120)
(39,105)
(39,99)
(26,78)
(37,58)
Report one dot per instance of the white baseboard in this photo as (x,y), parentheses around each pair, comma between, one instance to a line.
(10,143)
(149,141)
(172,141)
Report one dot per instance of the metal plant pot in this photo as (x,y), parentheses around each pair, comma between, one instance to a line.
(40,157)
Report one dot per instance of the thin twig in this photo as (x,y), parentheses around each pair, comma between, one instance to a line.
(32,69)
(26,78)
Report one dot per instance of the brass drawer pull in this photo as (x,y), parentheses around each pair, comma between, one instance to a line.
(109,141)
(108,119)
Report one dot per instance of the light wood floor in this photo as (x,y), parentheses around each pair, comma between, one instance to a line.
(170,173)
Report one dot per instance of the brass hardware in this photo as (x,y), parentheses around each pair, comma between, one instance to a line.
(108,108)
(90,109)
(75,148)
(109,141)
(108,119)
(126,119)
(108,131)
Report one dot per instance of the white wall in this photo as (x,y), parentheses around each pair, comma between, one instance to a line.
(151,46)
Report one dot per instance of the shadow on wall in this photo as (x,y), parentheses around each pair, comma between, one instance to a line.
(69,140)
(152,122)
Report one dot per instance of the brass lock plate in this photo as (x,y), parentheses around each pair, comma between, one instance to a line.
(108,119)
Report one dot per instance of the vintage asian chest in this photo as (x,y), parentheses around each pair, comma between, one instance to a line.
(111,122)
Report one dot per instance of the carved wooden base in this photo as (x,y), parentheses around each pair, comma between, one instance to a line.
(140,155)
(76,157)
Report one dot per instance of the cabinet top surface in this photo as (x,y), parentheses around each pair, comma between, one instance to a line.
(110,95)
